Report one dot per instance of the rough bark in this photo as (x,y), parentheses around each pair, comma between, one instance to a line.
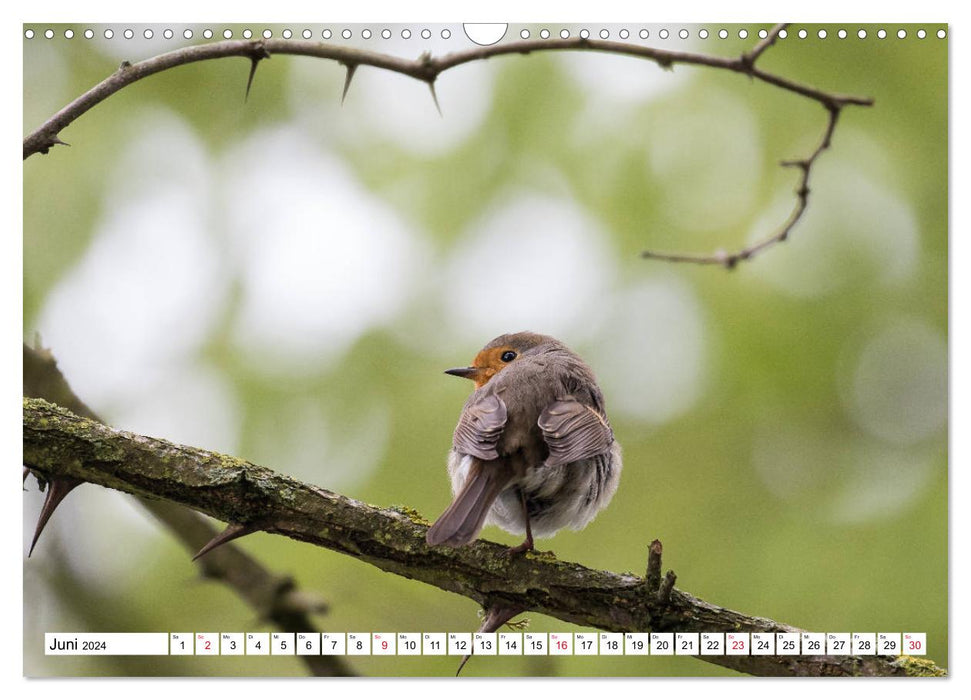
(57,442)
(274,597)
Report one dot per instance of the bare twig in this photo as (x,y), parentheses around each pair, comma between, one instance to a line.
(653,577)
(752,56)
(667,585)
(394,540)
(832,102)
(730,260)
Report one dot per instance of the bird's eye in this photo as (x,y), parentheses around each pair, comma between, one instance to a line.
(508,356)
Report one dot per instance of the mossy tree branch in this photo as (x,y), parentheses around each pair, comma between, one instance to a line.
(59,443)
(274,597)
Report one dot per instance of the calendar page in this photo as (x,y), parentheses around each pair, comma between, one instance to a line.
(389,349)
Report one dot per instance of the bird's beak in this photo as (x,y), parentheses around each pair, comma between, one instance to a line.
(467,372)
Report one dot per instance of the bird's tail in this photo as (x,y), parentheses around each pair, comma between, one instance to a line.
(461,521)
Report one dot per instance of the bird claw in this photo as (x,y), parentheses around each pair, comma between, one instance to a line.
(526,546)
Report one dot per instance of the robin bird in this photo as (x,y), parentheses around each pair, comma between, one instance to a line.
(533,451)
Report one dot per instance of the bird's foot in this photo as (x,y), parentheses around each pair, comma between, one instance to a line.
(525,546)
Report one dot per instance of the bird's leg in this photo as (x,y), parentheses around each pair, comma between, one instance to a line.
(527,545)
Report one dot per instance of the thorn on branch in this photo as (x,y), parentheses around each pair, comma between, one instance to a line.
(258,53)
(425,68)
(372,535)
(232,532)
(49,143)
(431,86)
(58,488)
(254,62)
(351,67)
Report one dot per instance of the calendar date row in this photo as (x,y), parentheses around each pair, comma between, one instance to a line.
(489,644)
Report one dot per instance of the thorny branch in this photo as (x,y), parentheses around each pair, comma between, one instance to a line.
(393,540)
(274,597)
(730,260)
(427,68)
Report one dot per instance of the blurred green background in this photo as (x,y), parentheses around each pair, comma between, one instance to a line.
(285,280)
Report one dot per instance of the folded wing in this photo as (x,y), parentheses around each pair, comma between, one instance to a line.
(480,428)
(573,431)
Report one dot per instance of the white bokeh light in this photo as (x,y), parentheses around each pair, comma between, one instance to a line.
(301,440)
(848,480)
(895,388)
(854,229)
(322,260)
(651,356)
(173,157)
(619,79)
(146,292)
(101,534)
(881,482)
(792,458)
(190,404)
(45,83)
(707,162)
(401,109)
(535,263)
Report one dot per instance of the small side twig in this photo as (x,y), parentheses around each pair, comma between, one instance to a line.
(833,104)
(653,577)
(664,591)
(730,260)
(752,56)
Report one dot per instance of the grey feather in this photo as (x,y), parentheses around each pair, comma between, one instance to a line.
(573,432)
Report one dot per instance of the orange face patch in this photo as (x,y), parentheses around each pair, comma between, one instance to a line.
(488,363)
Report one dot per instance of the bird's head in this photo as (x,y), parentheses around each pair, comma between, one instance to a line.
(500,353)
